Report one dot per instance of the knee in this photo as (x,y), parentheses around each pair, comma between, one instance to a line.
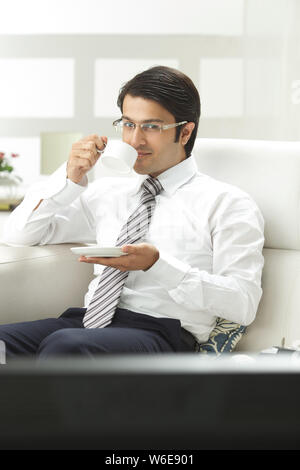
(61,343)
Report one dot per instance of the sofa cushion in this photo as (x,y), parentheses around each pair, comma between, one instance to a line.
(223,338)
(49,279)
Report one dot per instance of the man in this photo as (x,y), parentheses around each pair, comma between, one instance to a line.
(193,245)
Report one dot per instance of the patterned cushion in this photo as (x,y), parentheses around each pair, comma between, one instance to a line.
(223,338)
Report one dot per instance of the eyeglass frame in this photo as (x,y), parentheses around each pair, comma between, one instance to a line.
(161,127)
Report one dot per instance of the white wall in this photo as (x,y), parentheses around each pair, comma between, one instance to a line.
(63,61)
(224,17)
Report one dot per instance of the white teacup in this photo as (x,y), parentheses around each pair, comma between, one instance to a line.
(119,156)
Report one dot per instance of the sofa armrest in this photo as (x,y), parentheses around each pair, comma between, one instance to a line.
(40,281)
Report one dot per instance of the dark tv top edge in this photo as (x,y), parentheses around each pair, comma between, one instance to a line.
(185,364)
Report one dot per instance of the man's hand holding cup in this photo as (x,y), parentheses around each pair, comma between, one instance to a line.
(84,155)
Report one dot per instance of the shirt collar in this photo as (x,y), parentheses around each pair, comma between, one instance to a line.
(172,178)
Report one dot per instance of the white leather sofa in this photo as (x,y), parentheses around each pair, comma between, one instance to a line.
(37,282)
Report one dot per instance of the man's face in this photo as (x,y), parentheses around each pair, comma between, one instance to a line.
(156,151)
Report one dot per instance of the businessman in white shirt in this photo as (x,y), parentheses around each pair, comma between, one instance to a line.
(199,259)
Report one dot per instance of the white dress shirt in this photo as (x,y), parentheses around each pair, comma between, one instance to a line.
(209,235)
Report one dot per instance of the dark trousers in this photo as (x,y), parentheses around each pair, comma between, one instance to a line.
(129,332)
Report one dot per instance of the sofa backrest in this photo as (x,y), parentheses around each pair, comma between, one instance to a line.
(269,171)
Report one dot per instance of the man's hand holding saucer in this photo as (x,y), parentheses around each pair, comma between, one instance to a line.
(139,257)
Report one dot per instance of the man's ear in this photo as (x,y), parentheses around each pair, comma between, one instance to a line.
(187,132)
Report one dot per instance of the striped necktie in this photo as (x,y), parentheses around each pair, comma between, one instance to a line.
(102,307)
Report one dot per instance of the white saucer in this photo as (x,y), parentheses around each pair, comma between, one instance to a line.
(96,250)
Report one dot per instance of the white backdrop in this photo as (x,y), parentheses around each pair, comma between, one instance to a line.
(62,63)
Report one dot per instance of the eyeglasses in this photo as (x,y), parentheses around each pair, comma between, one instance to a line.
(147,127)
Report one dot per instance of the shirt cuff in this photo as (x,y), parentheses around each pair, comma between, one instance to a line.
(168,271)
(58,188)
(68,193)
